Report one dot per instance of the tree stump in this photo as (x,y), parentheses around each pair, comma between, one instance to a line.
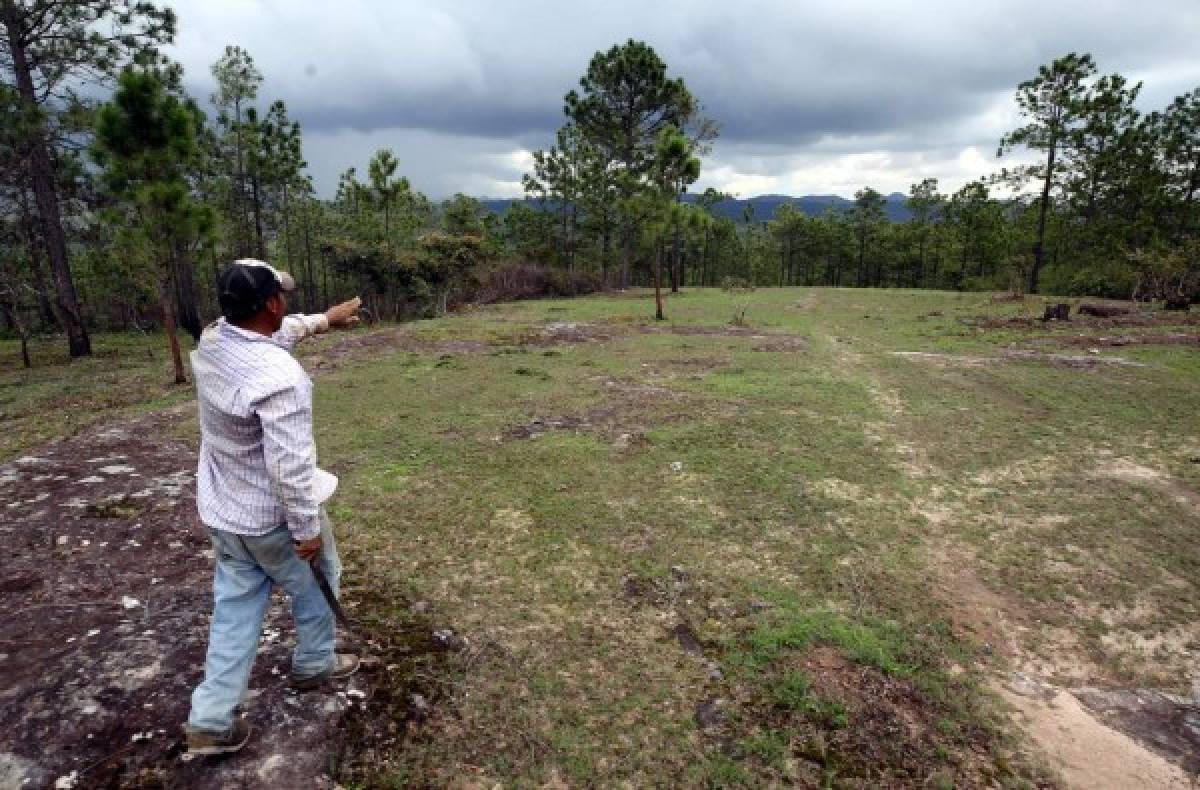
(1102,310)
(1057,312)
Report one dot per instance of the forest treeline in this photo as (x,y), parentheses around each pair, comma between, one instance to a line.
(117,212)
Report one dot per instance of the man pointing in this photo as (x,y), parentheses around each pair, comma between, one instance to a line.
(259,492)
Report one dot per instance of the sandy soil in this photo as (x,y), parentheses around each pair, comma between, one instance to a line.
(1088,754)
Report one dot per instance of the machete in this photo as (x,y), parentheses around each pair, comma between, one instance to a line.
(330,598)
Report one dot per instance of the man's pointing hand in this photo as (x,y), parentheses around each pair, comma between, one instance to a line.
(344,315)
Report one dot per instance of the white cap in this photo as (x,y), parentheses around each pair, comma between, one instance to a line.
(286,282)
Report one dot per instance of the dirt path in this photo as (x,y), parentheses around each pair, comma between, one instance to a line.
(1063,723)
(1086,752)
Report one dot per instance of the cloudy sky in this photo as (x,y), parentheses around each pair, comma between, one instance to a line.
(813,97)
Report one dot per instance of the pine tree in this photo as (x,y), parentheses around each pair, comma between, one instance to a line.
(238,81)
(49,48)
(624,103)
(1054,102)
(146,144)
(867,218)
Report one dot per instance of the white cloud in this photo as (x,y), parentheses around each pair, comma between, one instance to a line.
(437,164)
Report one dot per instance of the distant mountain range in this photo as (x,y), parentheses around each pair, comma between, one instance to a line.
(764,206)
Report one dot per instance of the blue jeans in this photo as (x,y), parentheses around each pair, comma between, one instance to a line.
(246,569)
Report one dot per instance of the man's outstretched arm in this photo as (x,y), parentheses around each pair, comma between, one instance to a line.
(299,326)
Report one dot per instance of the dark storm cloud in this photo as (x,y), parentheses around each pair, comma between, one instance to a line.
(786,80)
(458,116)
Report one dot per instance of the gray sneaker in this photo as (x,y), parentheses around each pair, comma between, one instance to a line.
(344,665)
(203,742)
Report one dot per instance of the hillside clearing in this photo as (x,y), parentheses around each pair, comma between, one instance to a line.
(808,551)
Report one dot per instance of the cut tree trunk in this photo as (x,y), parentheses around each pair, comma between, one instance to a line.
(1057,312)
(1102,310)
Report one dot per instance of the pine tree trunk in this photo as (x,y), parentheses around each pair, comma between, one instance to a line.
(185,295)
(783,255)
(626,253)
(676,261)
(242,227)
(13,313)
(571,238)
(658,303)
(165,303)
(287,236)
(216,274)
(862,254)
(1189,194)
(46,307)
(921,263)
(260,245)
(325,278)
(41,174)
(310,285)
(605,252)
(1039,244)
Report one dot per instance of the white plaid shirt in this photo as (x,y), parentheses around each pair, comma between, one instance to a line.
(258,462)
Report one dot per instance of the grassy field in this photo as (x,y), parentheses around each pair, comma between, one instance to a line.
(127,374)
(696,556)
(797,552)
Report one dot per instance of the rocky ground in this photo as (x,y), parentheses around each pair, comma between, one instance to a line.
(106,590)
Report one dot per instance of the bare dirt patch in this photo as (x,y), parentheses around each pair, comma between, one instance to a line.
(1136,318)
(563,333)
(948,360)
(392,339)
(106,592)
(1130,472)
(1120,341)
(768,341)
(781,344)
(1084,361)
(405,339)
(976,611)
(629,411)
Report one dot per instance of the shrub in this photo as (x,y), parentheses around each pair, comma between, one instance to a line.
(515,280)
(736,285)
